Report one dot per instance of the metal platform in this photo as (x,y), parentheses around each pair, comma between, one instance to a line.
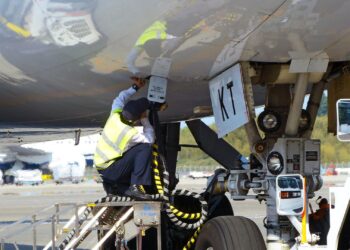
(127,220)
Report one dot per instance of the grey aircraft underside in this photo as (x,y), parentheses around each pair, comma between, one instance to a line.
(63,61)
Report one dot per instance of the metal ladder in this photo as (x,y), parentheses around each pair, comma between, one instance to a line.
(127,220)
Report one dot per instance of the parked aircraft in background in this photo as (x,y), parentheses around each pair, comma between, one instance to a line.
(21,165)
(68,160)
(60,160)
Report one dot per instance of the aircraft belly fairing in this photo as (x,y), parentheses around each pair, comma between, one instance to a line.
(64,61)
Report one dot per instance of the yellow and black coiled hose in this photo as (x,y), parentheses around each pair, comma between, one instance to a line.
(173,213)
(160,189)
(192,240)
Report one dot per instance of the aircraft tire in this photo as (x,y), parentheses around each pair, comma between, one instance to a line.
(230,233)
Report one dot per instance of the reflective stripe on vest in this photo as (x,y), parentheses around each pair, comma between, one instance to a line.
(156,31)
(113,141)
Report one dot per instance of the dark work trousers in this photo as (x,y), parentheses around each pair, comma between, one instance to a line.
(134,167)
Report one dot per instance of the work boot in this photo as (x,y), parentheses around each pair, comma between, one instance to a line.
(137,192)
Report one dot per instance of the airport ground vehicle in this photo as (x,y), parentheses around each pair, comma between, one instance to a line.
(291,191)
(31,177)
(199,174)
(67,166)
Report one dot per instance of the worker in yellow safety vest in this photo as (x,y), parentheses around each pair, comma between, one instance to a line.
(150,41)
(123,153)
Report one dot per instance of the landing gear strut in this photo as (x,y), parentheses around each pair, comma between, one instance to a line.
(286,148)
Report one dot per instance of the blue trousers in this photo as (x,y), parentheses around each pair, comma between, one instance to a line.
(134,167)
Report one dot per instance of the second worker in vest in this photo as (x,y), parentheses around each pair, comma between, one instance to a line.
(123,153)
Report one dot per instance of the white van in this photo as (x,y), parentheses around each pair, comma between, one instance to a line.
(290,193)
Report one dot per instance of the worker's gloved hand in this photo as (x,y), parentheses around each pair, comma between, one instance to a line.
(139,82)
(163,106)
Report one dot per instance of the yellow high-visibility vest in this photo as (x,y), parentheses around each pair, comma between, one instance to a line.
(156,31)
(113,141)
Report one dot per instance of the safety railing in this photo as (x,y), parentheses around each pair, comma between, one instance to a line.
(50,215)
(70,233)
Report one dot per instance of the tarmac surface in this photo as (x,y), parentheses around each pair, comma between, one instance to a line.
(19,202)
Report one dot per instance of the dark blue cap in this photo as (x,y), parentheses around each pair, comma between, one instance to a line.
(133,109)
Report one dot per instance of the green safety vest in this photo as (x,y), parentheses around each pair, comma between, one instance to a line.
(156,31)
(113,141)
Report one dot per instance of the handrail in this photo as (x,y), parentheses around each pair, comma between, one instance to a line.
(52,214)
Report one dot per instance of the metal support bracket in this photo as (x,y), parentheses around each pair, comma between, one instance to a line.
(303,62)
(77,134)
(251,127)
(208,141)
